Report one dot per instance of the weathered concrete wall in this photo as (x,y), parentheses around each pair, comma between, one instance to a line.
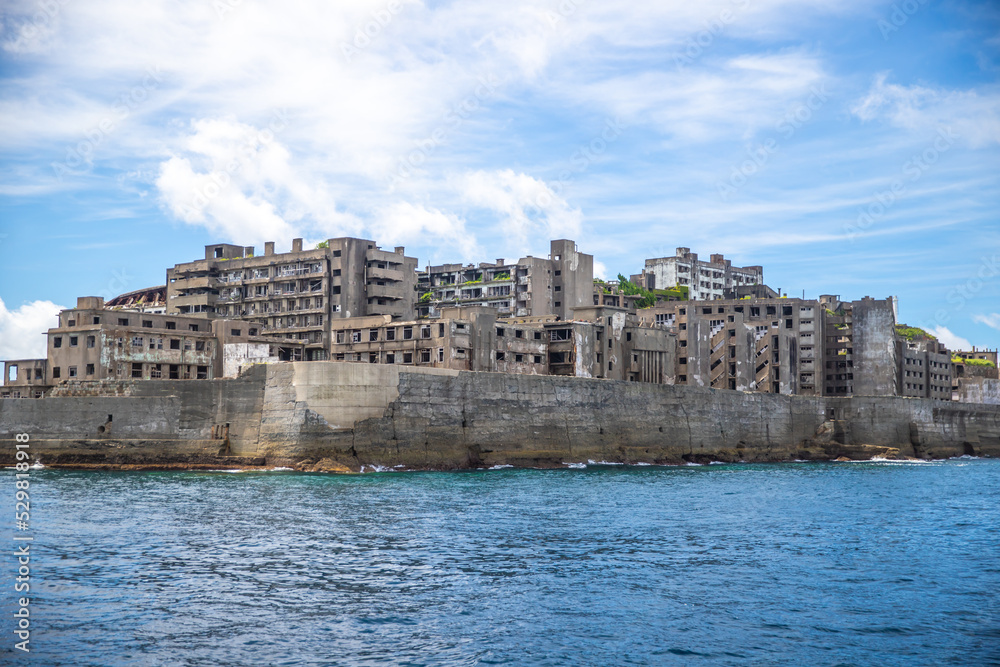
(362,414)
(874,343)
(979,390)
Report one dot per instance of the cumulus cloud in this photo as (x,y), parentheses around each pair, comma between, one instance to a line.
(992,320)
(527,207)
(22,331)
(238,181)
(974,116)
(951,341)
(404,223)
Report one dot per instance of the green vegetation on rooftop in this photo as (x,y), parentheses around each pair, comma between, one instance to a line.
(911,333)
(322,244)
(973,362)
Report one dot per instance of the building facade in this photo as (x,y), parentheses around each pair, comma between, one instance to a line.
(599,342)
(531,287)
(781,345)
(706,281)
(295,294)
(92,343)
(925,369)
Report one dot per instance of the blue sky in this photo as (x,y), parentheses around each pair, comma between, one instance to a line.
(850,147)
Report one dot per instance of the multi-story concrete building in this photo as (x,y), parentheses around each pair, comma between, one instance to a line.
(93,343)
(706,281)
(985,354)
(531,287)
(295,294)
(924,369)
(770,345)
(972,367)
(598,342)
(25,378)
(781,345)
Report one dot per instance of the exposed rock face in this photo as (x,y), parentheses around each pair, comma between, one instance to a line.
(329,416)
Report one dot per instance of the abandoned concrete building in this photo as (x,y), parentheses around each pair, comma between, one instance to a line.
(295,294)
(598,342)
(530,287)
(706,281)
(924,369)
(93,343)
(780,345)
(347,300)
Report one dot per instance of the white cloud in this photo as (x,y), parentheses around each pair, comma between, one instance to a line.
(238,181)
(697,104)
(974,116)
(22,331)
(600,270)
(527,207)
(992,320)
(404,223)
(951,341)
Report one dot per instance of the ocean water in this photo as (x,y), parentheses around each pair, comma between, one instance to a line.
(875,563)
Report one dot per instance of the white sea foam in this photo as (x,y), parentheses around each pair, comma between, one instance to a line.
(604,463)
(500,467)
(279,469)
(717,463)
(375,468)
(643,464)
(229,471)
(575,466)
(692,463)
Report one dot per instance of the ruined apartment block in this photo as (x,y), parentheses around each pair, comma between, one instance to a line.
(924,369)
(781,345)
(93,343)
(598,342)
(706,281)
(296,294)
(531,287)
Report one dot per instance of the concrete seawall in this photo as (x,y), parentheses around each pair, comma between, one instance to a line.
(344,416)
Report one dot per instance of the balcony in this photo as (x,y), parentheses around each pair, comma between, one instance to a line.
(199,282)
(385,291)
(385,274)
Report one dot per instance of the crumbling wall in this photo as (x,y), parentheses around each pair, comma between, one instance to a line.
(874,345)
(979,390)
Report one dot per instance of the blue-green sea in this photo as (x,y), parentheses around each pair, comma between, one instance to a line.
(874,563)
